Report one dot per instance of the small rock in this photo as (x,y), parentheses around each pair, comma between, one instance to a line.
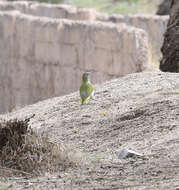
(126,153)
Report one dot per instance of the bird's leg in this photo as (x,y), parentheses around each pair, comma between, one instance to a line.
(92,96)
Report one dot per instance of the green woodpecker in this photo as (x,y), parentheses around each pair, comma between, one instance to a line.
(86,88)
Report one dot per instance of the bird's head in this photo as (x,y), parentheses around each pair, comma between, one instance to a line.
(86,77)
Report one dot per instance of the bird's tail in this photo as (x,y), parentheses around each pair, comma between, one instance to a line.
(85,101)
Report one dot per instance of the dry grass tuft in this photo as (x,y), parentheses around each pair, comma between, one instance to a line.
(24,152)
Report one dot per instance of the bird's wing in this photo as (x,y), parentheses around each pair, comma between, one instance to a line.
(90,90)
(86,92)
(83,93)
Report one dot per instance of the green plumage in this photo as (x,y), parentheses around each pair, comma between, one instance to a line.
(86,88)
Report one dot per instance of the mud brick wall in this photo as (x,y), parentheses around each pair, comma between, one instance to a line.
(154,25)
(43,57)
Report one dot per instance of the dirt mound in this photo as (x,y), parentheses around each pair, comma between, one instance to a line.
(138,112)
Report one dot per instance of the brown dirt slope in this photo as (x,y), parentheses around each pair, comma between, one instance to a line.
(138,111)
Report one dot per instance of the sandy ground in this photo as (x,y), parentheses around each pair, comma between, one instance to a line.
(138,111)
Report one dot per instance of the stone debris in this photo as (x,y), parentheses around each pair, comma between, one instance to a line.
(126,153)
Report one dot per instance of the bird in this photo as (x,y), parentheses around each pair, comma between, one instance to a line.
(86,88)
